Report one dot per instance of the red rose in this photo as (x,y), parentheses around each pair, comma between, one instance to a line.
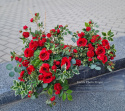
(44,68)
(52,31)
(30,69)
(52,99)
(57,63)
(57,87)
(78,62)
(103,58)
(33,45)
(25,63)
(43,35)
(75,51)
(44,55)
(90,22)
(31,20)
(89,59)
(81,42)
(95,38)
(21,79)
(16,58)
(60,26)
(105,42)
(20,59)
(90,47)
(57,92)
(48,35)
(111,58)
(28,52)
(90,53)
(25,34)
(50,51)
(58,31)
(47,77)
(35,14)
(29,95)
(40,77)
(41,42)
(54,68)
(66,61)
(25,27)
(81,34)
(100,50)
(22,73)
(88,28)
(107,47)
(20,65)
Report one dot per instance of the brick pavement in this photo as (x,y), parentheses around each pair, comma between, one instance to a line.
(14,14)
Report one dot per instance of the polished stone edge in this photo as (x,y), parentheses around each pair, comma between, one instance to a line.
(8,97)
(85,73)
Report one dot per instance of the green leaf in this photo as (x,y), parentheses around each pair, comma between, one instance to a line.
(98,68)
(69,97)
(64,96)
(11,74)
(63,67)
(9,66)
(45,85)
(50,91)
(86,24)
(36,53)
(73,39)
(73,61)
(65,87)
(109,68)
(69,91)
(48,102)
(103,33)
(60,95)
(97,31)
(76,71)
(92,66)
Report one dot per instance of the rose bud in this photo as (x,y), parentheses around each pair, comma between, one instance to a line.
(31,20)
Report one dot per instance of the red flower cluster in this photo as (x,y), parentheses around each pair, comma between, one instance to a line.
(30,69)
(57,88)
(21,76)
(46,77)
(66,61)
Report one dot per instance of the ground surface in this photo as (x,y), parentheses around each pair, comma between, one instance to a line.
(14,14)
(106,93)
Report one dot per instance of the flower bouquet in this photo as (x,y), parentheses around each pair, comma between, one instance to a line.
(47,62)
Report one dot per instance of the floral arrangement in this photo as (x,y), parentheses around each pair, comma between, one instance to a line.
(47,62)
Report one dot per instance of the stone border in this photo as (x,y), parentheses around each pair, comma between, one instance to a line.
(85,73)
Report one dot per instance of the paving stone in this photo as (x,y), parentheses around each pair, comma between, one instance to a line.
(63,12)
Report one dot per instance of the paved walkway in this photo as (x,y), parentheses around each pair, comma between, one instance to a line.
(105,93)
(14,14)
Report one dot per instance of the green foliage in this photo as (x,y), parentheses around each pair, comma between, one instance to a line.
(69,97)
(64,96)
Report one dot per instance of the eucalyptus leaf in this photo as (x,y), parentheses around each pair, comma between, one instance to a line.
(9,66)
(11,74)
(45,85)
(98,68)
(92,66)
